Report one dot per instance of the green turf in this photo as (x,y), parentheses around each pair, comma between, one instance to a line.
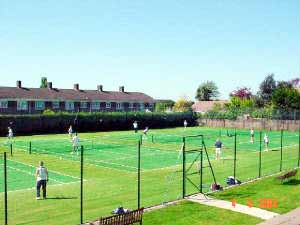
(110,170)
(193,213)
(287,194)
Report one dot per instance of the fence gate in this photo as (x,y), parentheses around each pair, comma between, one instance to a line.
(194,151)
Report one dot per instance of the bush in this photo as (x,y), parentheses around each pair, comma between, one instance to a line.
(87,122)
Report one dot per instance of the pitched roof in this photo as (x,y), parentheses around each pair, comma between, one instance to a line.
(72,94)
(204,106)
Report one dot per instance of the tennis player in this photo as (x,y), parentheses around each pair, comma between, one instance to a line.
(10,134)
(41,180)
(251,135)
(266,141)
(70,131)
(185,123)
(75,144)
(218,146)
(135,126)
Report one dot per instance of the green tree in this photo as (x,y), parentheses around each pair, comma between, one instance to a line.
(183,105)
(266,89)
(285,98)
(163,105)
(43,82)
(207,91)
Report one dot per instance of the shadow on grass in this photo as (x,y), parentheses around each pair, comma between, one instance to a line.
(292,182)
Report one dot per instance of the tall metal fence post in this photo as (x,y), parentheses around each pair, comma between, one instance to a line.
(29,147)
(81,184)
(139,174)
(234,165)
(281,139)
(11,149)
(201,171)
(299,147)
(5,190)
(183,168)
(259,165)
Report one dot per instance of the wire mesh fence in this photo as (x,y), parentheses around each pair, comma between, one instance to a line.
(132,170)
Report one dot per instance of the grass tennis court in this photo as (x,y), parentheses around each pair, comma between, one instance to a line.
(110,169)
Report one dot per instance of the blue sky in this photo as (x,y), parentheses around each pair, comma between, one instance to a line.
(163,48)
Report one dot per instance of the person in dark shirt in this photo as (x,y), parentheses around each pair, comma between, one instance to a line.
(218,146)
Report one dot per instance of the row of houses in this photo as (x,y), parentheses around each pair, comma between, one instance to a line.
(24,100)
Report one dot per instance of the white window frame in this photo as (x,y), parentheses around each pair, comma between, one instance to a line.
(131,104)
(108,105)
(39,105)
(95,105)
(3,104)
(69,105)
(22,105)
(55,105)
(119,105)
(83,105)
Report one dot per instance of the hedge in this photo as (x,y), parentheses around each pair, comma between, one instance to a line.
(90,122)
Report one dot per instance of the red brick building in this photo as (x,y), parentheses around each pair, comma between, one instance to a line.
(23,100)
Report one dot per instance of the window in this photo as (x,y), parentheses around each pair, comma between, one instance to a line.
(3,104)
(83,105)
(119,105)
(55,105)
(141,106)
(22,105)
(108,105)
(39,105)
(131,105)
(69,105)
(95,105)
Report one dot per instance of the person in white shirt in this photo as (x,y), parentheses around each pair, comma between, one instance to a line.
(70,131)
(251,135)
(266,140)
(75,144)
(42,179)
(10,134)
(135,126)
(185,124)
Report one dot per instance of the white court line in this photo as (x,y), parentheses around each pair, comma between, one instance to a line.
(66,175)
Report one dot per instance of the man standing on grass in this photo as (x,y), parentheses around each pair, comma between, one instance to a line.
(252,135)
(75,144)
(266,140)
(185,124)
(10,134)
(42,179)
(135,126)
(218,146)
(70,131)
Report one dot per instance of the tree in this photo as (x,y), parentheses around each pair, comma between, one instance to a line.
(164,105)
(207,91)
(43,82)
(285,98)
(243,92)
(183,105)
(266,88)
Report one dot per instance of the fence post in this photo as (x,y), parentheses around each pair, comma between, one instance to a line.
(234,165)
(152,138)
(139,174)
(81,184)
(141,139)
(259,166)
(29,147)
(5,190)
(201,170)
(299,147)
(11,149)
(281,137)
(183,168)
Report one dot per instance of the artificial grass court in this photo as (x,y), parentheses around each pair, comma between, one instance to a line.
(110,170)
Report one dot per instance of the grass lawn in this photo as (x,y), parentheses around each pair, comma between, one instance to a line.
(110,170)
(193,213)
(287,195)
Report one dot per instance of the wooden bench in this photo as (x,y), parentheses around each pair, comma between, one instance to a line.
(131,217)
(287,175)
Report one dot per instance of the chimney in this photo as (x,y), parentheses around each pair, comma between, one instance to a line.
(19,84)
(100,88)
(121,89)
(76,87)
(49,85)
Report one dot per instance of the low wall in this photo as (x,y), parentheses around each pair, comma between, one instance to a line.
(263,124)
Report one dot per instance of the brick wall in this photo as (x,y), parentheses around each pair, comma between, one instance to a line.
(264,124)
